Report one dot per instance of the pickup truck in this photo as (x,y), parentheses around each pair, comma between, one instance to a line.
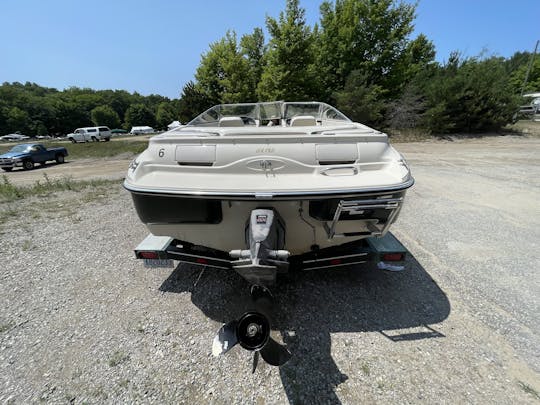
(27,155)
(90,134)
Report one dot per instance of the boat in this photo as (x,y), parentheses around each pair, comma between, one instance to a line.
(265,182)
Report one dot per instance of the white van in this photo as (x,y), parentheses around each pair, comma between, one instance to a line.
(94,134)
(142,130)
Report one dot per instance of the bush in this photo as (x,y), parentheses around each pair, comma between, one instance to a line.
(469,95)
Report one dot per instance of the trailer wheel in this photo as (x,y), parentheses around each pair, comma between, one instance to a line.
(28,165)
(59,158)
(7,169)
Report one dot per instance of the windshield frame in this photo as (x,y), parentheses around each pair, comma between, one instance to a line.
(261,114)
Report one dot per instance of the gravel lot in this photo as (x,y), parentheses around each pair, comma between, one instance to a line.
(82,169)
(82,321)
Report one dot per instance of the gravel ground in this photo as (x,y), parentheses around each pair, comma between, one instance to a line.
(111,168)
(83,322)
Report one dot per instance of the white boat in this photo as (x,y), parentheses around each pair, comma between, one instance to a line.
(263,181)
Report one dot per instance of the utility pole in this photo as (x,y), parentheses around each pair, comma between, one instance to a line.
(529,68)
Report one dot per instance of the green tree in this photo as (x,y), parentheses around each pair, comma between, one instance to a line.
(366,35)
(17,120)
(517,78)
(288,70)
(165,114)
(360,100)
(415,58)
(193,101)
(517,60)
(105,115)
(223,74)
(137,115)
(70,115)
(253,48)
(467,95)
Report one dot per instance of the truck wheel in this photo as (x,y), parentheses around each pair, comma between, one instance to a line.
(94,139)
(72,140)
(59,158)
(7,169)
(28,165)
(107,139)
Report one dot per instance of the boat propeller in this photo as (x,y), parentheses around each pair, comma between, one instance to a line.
(252,332)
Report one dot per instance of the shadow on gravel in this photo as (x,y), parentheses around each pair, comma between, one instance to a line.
(316,304)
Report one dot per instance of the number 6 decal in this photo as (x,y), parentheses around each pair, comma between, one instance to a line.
(161,153)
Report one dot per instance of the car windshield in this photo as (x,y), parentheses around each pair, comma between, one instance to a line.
(20,148)
(261,114)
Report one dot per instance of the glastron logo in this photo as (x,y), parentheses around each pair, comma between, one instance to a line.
(264,150)
(261,219)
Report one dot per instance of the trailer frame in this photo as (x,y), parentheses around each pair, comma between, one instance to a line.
(387,252)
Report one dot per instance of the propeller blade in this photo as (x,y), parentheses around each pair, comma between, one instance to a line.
(225,339)
(255,361)
(274,353)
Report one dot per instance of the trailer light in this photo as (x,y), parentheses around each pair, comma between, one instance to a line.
(393,257)
(148,255)
(335,261)
(202,261)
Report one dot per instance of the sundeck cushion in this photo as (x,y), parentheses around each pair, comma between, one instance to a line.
(303,121)
(231,122)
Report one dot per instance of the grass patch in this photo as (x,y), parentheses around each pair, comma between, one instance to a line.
(524,127)
(408,135)
(117,358)
(44,199)
(94,149)
(4,327)
(365,369)
(528,389)
(7,213)
(10,192)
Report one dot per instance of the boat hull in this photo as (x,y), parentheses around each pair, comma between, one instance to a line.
(219,222)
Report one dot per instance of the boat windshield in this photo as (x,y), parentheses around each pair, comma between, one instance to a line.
(268,114)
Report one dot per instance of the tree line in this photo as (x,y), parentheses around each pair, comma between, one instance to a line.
(35,110)
(361,57)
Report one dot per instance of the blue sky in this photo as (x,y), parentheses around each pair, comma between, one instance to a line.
(154,46)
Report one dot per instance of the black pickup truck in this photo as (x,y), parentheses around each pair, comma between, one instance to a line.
(27,155)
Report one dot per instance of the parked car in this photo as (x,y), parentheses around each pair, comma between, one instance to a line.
(14,137)
(142,130)
(90,134)
(26,155)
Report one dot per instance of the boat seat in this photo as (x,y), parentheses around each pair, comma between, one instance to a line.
(303,121)
(231,122)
